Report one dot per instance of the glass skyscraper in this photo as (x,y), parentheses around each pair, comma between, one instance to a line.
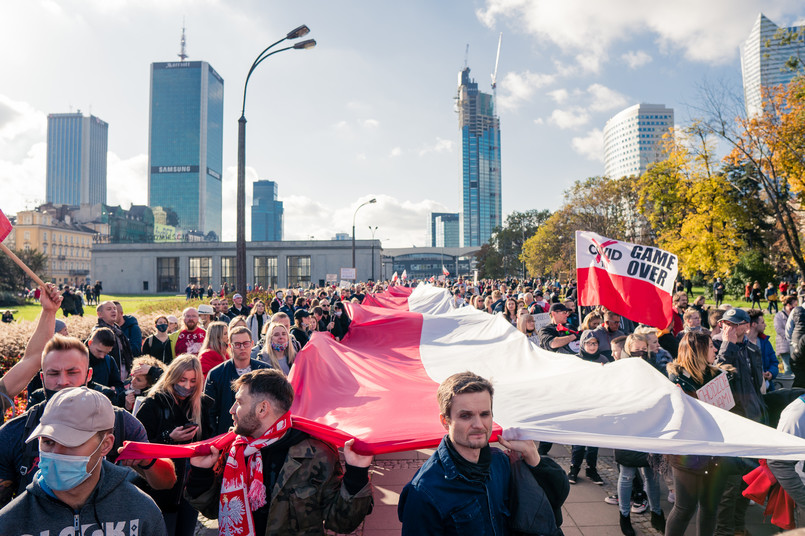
(185,143)
(76,159)
(480,155)
(765,61)
(633,139)
(444,230)
(266,212)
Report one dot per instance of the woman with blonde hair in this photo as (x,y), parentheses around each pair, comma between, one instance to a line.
(591,321)
(238,321)
(698,480)
(176,411)
(257,319)
(213,350)
(278,350)
(526,325)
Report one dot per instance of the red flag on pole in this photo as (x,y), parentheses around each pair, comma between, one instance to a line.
(5,226)
(632,280)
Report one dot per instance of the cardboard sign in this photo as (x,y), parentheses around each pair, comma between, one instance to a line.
(331,279)
(541,319)
(348,273)
(345,284)
(717,393)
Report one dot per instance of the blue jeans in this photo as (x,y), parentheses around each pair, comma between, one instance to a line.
(652,488)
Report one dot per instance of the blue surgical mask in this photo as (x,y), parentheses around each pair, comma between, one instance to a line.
(65,471)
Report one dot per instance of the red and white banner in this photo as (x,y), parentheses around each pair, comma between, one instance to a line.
(379,385)
(5,226)
(634,281)
(445,271)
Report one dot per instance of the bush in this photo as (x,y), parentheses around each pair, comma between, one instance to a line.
(9,299)
(750,268)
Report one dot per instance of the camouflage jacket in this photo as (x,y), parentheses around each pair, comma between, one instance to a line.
(307,497)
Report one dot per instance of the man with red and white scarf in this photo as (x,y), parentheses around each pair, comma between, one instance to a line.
(275,479)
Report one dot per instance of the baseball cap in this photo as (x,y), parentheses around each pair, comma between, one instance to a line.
(205,309)
(559,308)
(736,316)
(236,296)
(173,319)
(74,415)
(301,313)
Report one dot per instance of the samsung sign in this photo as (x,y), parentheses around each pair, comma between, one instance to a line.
(174,169)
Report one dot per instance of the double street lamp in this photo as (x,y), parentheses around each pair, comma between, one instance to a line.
(240,259)
(373,200)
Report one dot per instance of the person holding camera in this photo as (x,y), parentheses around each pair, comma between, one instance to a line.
(176,412)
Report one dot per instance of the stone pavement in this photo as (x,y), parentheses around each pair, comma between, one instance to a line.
(585,512)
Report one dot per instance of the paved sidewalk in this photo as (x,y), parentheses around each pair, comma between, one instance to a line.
(585,512)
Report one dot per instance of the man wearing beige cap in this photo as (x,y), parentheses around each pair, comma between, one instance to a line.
(75,486)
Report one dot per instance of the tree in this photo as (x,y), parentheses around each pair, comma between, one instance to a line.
(13,278)
(502,257)
(490,265)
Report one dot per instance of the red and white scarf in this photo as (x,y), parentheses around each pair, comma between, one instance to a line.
(243,490)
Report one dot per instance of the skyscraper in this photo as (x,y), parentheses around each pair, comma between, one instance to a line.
(76,160)
(633,139)
(185,142)
(765,60)
(266,212)
(444,230)
(480,155)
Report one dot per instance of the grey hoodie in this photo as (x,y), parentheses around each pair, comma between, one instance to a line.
(115,507)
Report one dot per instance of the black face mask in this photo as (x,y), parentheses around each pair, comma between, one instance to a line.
(639,353)
(162,328)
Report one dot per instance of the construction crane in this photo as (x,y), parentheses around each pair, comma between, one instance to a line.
(495,75)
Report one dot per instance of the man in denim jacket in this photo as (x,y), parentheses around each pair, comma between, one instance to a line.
(464,488)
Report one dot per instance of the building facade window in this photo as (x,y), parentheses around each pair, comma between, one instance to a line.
(228,271)
(265,272)
(200,271)
(298,270)
(168,274)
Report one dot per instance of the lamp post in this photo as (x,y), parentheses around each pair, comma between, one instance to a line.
(240,240)
(373,230)
(373,200)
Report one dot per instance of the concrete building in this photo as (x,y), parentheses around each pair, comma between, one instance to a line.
(185,144)
(67,245)
(76,159)
(423,263)
(266,212)
(769,58)
(481,202)
(633,139)
(168,268)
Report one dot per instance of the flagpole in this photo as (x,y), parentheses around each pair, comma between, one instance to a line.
(22,265)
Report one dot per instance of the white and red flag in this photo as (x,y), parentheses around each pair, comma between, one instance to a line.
(404,275)
(394,277)
(634,281)
(445,272)
(379,385)
(5,226)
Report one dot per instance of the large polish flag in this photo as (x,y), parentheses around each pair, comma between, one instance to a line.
(634,281)
(379,386)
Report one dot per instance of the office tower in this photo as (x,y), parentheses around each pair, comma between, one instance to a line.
(185,143)
(444,230)
(480,155)
(765,60)
(266,212)
(76,159)
(633,139)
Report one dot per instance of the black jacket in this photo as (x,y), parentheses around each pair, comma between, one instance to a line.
(121,351)
(798,335)
(219,388)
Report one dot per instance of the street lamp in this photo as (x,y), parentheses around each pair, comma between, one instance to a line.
(240,259)
(373,200)
(373,230)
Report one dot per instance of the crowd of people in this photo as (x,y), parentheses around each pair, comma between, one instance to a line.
(223,366)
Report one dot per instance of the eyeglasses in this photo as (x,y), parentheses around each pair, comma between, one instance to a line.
(241,344)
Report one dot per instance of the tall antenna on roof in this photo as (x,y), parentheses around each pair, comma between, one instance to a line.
(183,51)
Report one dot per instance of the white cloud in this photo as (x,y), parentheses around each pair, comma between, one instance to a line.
(517,88)
(23,153)
(571,118)
(400,223)
(126,180)
(636,58)
(591,145)
(539,121)
(605,99)
(370,123)
(559,95)
(397,151)
(589,29)
(441,145)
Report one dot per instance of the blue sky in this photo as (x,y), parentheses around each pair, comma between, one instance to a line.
(369,111)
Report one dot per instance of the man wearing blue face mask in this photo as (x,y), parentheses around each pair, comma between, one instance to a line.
(75,486)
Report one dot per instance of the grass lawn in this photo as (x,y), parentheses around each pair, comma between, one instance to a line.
(131,304)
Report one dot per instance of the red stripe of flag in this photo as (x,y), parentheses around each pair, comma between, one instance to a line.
(5,226)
